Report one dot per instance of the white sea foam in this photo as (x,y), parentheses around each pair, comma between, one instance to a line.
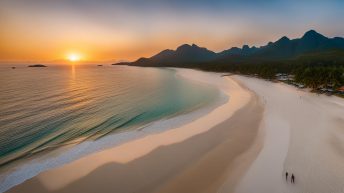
(36,166)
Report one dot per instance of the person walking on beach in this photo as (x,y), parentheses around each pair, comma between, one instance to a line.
(286,176)
(292,178)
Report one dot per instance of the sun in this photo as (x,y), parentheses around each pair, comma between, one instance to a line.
(73,57)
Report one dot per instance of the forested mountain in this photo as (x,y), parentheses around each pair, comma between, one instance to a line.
(282,49)
(182,55)
(315,59)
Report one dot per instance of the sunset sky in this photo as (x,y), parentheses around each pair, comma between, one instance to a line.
(113,30)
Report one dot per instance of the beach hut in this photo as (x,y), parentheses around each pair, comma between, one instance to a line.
(341,90)
(282,76)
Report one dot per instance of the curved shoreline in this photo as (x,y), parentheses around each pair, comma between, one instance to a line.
(27,169)
(195,145)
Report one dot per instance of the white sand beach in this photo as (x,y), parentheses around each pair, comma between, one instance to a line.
(195,157)
(304,135)
(244,146)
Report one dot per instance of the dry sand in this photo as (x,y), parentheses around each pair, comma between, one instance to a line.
(239,147)
(200,156)
(304,135)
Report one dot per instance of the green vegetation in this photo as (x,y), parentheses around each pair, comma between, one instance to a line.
(321,76)
(316,70)
(313,60)
(313,70)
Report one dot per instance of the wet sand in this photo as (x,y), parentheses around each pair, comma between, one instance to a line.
(207,155)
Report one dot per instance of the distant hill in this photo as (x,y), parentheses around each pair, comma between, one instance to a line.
(312,41)
(282,49)
(184,54)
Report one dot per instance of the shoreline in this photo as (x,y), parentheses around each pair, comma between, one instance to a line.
(296,131)
(137,155)
(27,169)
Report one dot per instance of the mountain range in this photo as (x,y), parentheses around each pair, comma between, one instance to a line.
(282,49)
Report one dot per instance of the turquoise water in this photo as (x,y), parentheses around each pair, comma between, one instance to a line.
(45,108)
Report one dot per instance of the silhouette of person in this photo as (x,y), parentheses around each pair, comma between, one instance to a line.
(286,176)
(292,178)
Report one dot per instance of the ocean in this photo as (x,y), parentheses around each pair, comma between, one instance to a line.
(46,108)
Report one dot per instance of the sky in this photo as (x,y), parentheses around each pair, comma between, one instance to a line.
(48,31)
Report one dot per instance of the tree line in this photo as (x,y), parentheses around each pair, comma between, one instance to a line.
(314,70)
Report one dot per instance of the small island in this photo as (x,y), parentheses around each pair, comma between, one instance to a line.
(99,65)
(37,65)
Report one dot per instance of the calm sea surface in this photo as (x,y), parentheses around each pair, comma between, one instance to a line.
(44,108)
